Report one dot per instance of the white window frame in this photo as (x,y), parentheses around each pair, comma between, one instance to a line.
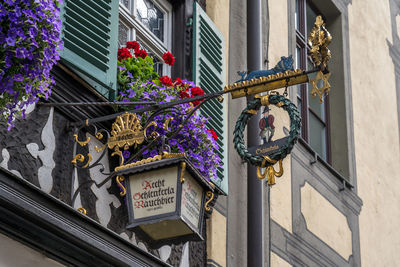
(129,19)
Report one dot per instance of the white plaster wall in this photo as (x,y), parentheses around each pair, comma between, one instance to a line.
(375,132)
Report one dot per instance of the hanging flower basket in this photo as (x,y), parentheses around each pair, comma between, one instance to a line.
(138,82)
(30,41)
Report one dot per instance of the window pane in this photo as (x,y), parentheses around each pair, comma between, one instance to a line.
(122,34)
(299,104)
(317,136)
(297,15)
(125,3)
(298,56)
(314,103)
(158,64)
(311,15)
(151,17)
(317,107)
(310,65)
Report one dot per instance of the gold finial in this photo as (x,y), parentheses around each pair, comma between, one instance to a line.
(319,39)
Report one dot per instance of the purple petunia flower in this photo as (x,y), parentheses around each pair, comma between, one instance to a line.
(18,77)
(9,2)
(10,41)
(31,44)
(126,154)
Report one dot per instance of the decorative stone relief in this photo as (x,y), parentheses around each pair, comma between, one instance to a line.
(104,198)
(4,164)
(185,256)
(165,252)
(325,221)
(45,177)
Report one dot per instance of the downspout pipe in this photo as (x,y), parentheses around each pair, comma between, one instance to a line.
(255,222)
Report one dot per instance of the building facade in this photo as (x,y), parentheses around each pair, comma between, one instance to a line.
(336,203)
(339,179)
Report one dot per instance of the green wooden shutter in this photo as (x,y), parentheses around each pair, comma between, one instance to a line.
(209,74)
(90,34)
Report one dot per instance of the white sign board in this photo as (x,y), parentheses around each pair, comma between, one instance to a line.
(154,192)
(192,194)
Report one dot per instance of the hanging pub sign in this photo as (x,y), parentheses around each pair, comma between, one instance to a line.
(166,196)
(273,150)
(166,200)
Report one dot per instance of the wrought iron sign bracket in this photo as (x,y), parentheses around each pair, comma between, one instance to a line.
(136,127)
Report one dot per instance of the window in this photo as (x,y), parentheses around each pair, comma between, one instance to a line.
(149,22)
(315,115)
(326,128)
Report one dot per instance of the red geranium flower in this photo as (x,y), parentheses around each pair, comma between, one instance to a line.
(165,80)
(184,94)
(195,92)
(168,58)
(133,45)
(178,81)
(141,53)
(123,53)
(213,133)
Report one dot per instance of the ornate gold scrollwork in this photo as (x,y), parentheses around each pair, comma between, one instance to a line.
(166,124)
(270,171)
(183,168)
(153,134)
(120,179)
(264,99)
(118,153)
(98,150)
(324,90)
(99,136)
(81,143)
(89,156)
(78,157)
(211,197)
(141,162)
(82,210)
(126,131)
(319,39)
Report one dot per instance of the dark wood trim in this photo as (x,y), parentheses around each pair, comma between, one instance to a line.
(328,131)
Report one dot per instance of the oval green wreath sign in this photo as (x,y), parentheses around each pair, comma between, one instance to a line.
(251,109)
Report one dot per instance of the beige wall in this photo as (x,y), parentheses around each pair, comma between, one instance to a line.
(325,221)
(375,132)
(376,139)
(281,207)
(216,238)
